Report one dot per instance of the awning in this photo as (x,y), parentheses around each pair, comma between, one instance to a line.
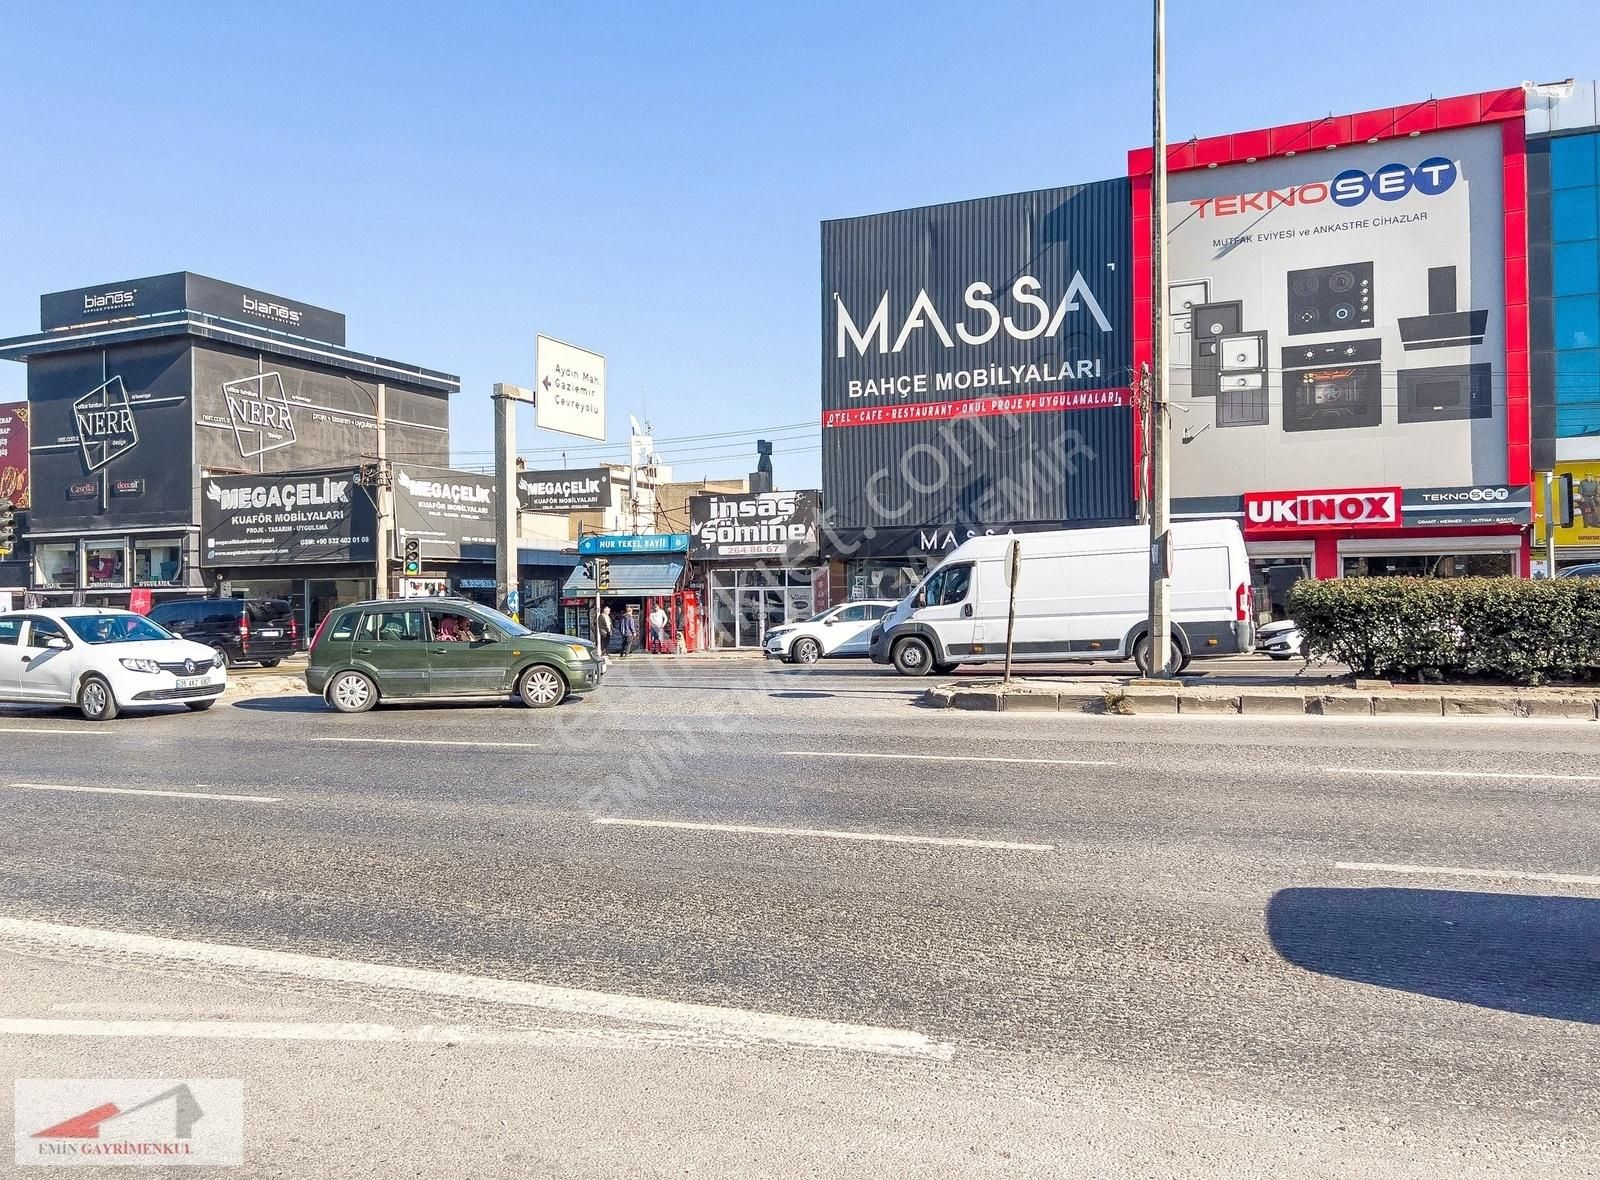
(631,577)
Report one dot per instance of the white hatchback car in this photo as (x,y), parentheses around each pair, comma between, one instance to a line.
(103,661)
(840,632)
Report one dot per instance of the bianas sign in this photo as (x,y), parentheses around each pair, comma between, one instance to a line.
(1332,508)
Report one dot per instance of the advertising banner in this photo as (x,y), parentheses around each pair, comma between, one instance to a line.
(109,438)
(1584,533)
(582,490)
(778,527)
(14,453)
(443,509)
(570,389)
(317,517)
(976,365)
(192,292)
(1338,318)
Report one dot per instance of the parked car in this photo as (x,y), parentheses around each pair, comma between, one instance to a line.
(834,634)
(241,630)
(1083,595)
(1281,640)
(437,649)
(1589,569)
(103,661)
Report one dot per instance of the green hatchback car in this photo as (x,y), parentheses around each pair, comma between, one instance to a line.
(442,649)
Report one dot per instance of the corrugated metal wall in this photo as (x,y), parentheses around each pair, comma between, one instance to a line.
(1057,465)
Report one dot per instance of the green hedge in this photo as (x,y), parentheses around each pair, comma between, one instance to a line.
(1499,628)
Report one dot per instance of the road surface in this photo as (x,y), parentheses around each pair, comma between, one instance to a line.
(723,918)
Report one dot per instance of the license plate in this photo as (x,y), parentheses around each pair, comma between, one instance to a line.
(274,634)
(191,681)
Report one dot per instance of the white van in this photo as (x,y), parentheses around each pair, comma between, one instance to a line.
(1083,595)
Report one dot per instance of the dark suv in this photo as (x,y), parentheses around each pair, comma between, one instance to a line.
(243,630)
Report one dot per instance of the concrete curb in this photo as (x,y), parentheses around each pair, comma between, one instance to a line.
(1127,700)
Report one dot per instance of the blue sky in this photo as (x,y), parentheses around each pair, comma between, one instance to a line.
(645,180)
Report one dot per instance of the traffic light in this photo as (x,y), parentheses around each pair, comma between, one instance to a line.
(8,527)
(602,574)
(413,558)
(1564,513)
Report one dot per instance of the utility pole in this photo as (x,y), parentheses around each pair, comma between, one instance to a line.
(1553,514)
(507,596)
(383,505)
(1160,456)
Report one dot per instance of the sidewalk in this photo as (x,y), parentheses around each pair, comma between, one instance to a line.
(1331,698)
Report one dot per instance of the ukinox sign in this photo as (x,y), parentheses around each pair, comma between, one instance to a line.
(1340,316)
(443,509)
(781,526)
(976,362)
(1332,508)
(580,490)
(314,517)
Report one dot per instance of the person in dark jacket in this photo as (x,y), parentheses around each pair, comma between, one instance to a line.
(602,631)
(628,628)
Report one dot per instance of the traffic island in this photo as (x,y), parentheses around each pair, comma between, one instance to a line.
(1118,698)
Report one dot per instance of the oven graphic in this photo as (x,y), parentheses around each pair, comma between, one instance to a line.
(1330,298)
(1333,386)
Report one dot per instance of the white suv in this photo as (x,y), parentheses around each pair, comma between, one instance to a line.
(840,632)
(103,661)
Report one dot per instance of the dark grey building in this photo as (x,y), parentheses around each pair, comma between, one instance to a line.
(143,393)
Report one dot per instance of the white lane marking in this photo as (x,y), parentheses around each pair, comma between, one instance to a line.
(1451,871)
(942,758)
(699,1022)
(38,729)
(146,791)
(279,1030)
(386,741)
(1568,778)
(885,837)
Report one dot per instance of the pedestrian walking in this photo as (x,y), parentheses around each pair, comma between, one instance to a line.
(658,629)
(602,631)
(628,628)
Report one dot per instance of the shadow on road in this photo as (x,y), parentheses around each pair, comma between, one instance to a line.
(1536,955)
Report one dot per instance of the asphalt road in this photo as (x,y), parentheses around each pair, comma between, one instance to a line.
(660,931)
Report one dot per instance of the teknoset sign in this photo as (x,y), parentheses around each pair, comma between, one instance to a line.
(1332,508)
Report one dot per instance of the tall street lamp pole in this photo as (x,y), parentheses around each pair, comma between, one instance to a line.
(1156,407)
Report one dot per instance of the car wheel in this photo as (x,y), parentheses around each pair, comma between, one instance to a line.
(96,700)
(913,657)
(200,706)
(227,660)
(1142,657)
(1184,662)
(352,692)
(270,663)
(807,651)
(541,687)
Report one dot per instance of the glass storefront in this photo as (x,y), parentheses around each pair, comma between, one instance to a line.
(157,563)
(1431,565)
(746,602)
(887,577)
(55,566)
(1271,578)
(105,564)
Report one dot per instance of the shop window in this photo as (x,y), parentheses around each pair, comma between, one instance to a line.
(55,567)
(1578,322)
(156,563)
(1574,161)
(1575,269)
(105,564)
(1431,565)
(1574,214)
(1272,578)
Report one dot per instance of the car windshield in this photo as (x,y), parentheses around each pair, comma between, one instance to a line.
(509,625)
(115,628)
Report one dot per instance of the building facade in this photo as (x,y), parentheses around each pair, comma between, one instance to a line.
(189,436)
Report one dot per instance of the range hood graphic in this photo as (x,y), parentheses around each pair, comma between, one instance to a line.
(1443,326)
